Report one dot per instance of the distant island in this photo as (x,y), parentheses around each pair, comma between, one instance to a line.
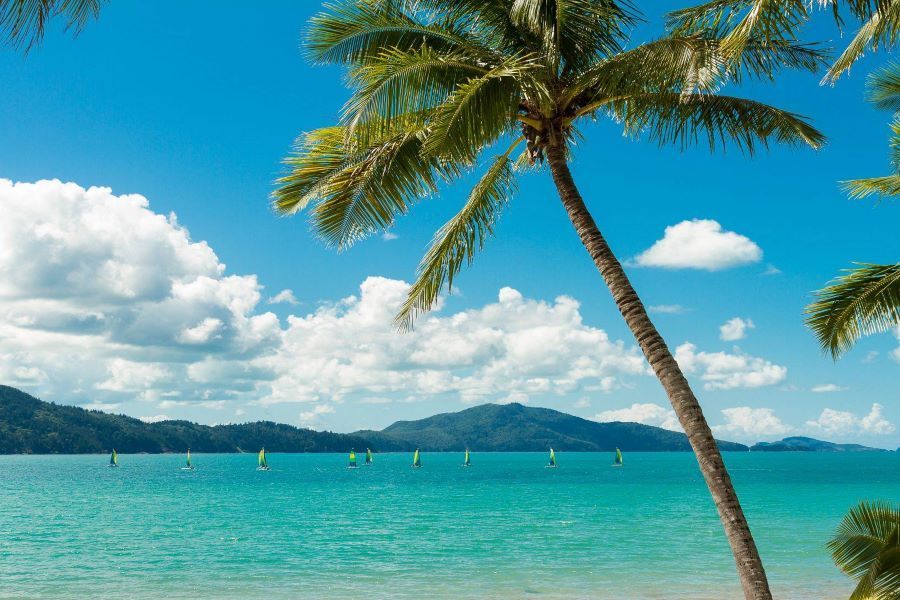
(806,444)
(31,426)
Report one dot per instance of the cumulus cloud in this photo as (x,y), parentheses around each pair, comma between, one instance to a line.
(667,309)
(700,244)
(827,388)
(309,417)
(104,301)
(725,371)
(746,424)
(840,424)
(387,236)
(735,329)
(283,297)
(648,414)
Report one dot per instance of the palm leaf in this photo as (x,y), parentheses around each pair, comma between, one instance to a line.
(867,548)
(355,30)
(884,87)
(687,119)
(864,301)
(882,28)
(460,238)
(23,22)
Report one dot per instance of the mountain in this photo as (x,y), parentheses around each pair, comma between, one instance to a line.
(805,444)
(31,426)
(517,428)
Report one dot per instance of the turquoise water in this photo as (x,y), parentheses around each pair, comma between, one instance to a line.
(70,527)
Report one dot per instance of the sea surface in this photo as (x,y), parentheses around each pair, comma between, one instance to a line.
(507,527)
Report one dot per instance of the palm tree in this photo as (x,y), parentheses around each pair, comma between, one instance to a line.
(867,548)
(437,84)
(866,299)
(22,22)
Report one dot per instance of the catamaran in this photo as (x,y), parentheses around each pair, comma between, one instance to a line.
(466,462)
(368,456)
(352,464)
(263,463)
(552,463)
(189,465)
(618,460)
(114,459)
(417,462)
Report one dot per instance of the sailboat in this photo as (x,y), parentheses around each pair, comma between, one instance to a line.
(466,462)
(114,458)
(263,463)
(352,464)
(618,460)
(552,463)
(417,462)
(368,456)
(189,465)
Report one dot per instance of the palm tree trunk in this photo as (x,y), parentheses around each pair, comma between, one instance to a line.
(749,564)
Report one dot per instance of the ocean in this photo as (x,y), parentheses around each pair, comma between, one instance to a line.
(70,527)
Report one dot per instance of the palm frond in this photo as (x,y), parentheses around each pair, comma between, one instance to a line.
(23,22)
(456,243)
(881,29)
(687,119)
(356,191)
(693,62)
(884,87)
(397,81)
(864,301)
(867,548)
(741,21)
(479,111)
(355,30)
(887,186)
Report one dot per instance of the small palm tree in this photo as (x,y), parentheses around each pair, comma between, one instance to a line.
(867,548)
(437,84)
(866,299)
(23,22)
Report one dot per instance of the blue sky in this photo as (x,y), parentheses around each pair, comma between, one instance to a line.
(193,109)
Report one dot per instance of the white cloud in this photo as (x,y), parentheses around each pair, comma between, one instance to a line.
(155,418)
(103,300)
(700,244)
(735,329)
(724,371)
(582,403)
(772,270)
(746,424)
(843,423)
(895,353)
(312,416)
(283,297)
(388,236)
(667,309)
(648,414)
(827,388)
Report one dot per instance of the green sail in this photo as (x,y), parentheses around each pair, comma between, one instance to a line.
(618,456)
(189,458)
(352,458)
(114,458)
(416,460)
(552,458)
(467,458)
(368,456)
(262,458)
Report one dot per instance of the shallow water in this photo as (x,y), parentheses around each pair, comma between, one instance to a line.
(507,527)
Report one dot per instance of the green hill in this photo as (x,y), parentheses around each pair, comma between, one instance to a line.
(30,426)
(805,444)
(517,428)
